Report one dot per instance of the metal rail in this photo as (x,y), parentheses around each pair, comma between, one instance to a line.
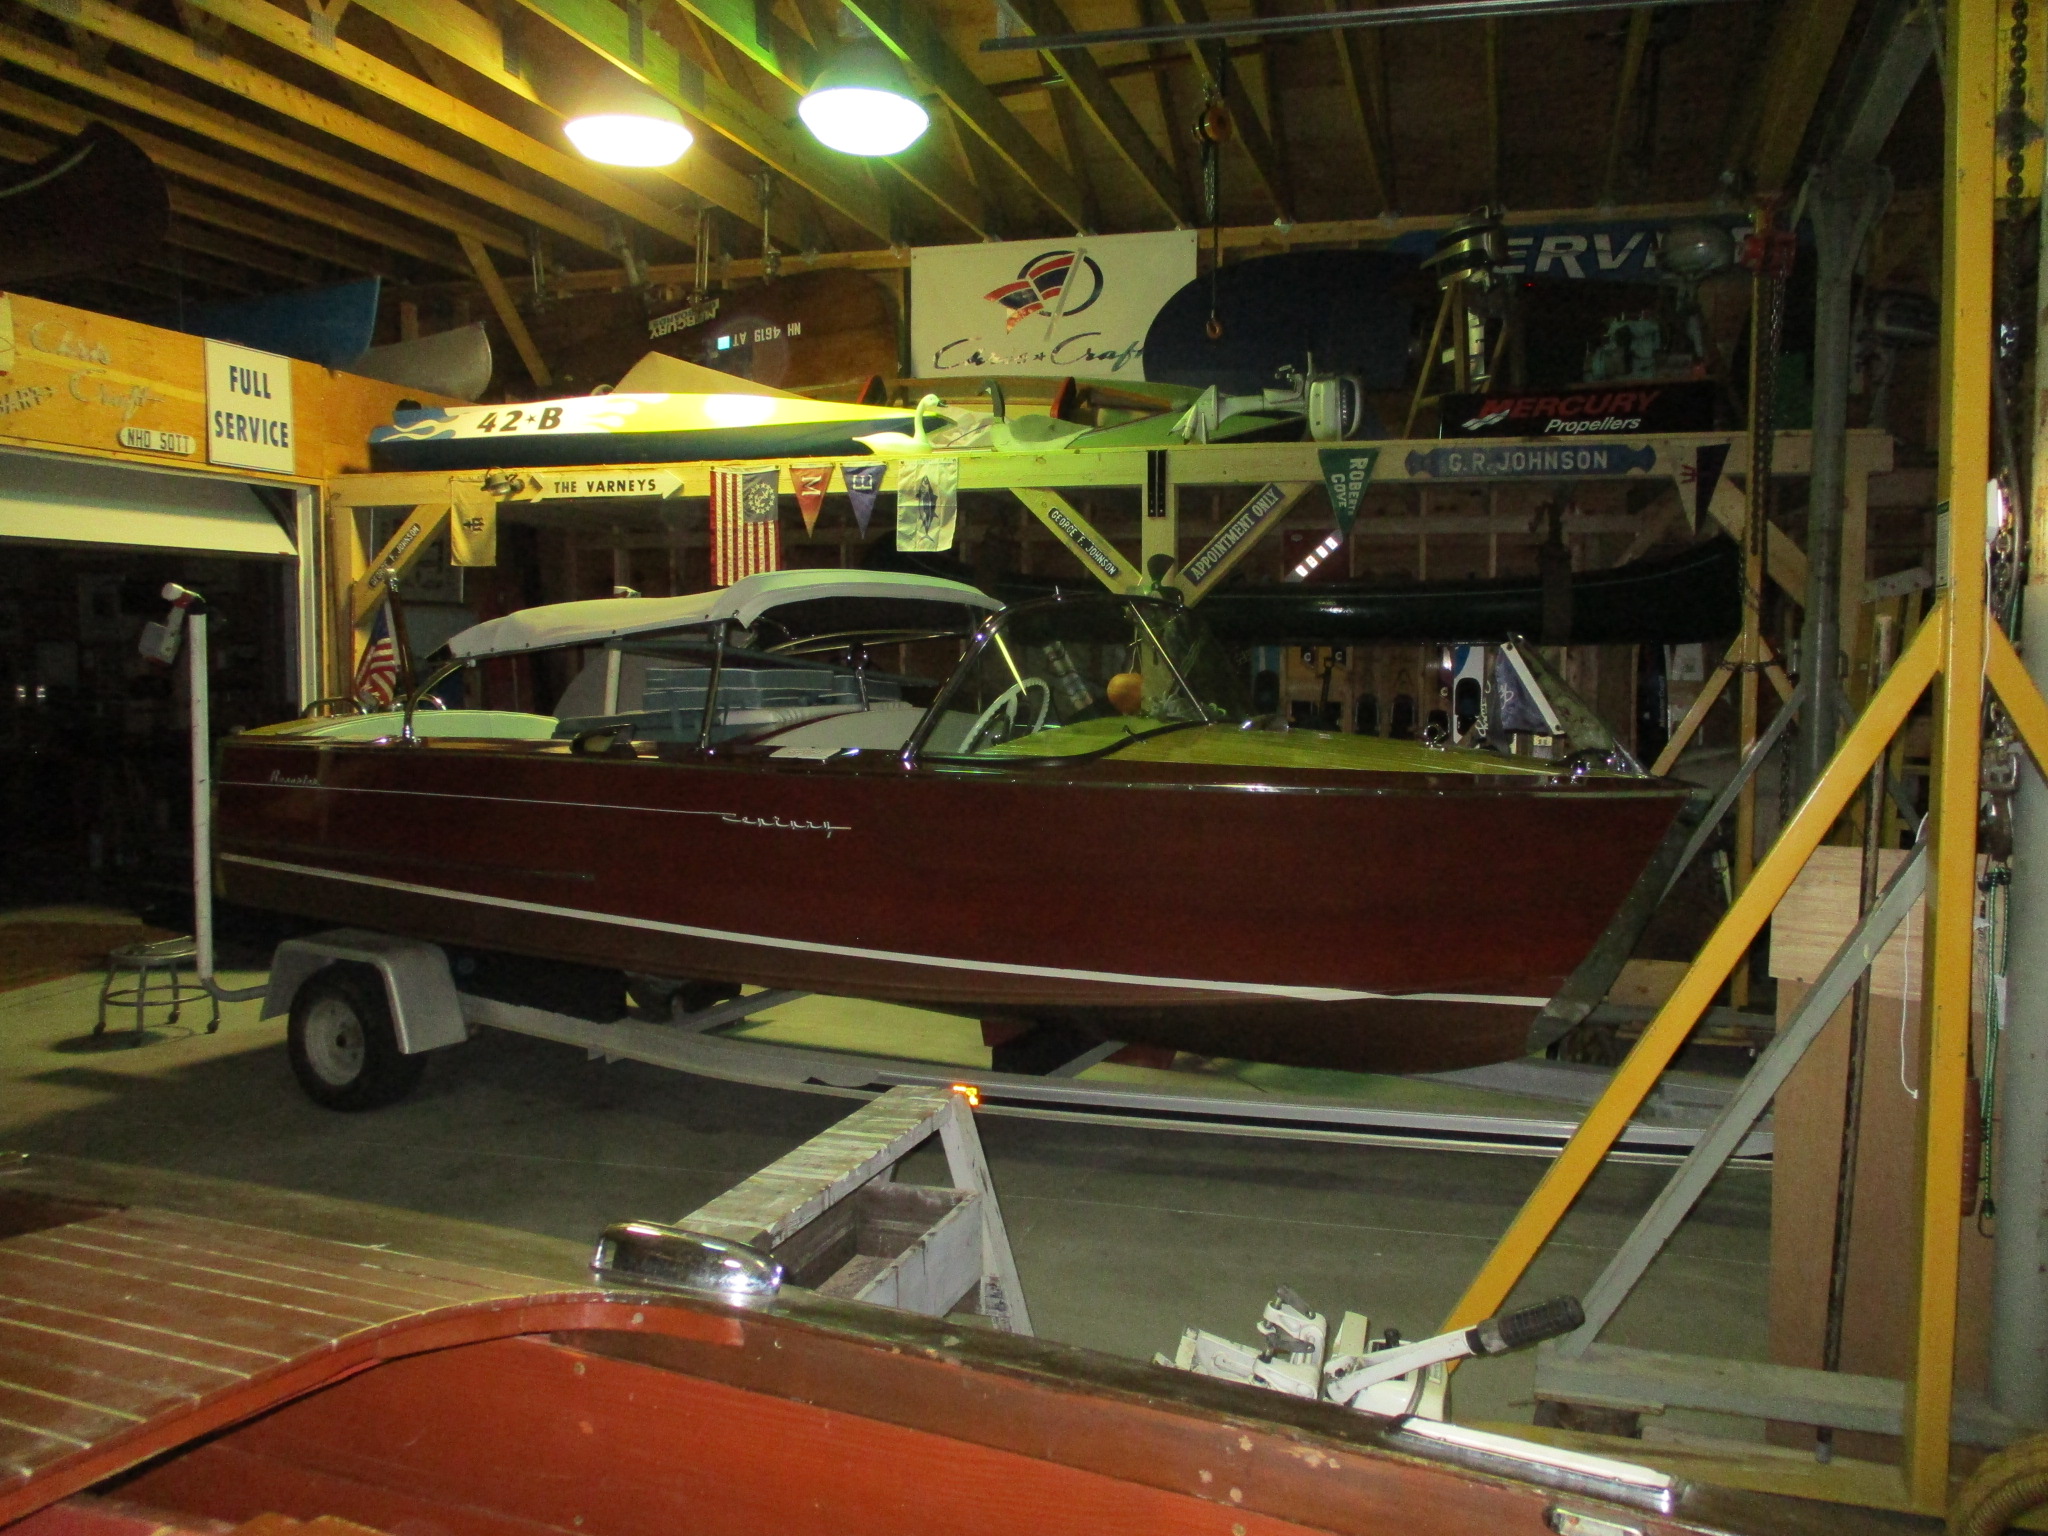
(686,1047)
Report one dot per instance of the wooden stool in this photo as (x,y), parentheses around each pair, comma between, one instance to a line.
(161,959)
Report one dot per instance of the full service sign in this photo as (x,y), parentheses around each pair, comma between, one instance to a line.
(1043,307)
(249,409)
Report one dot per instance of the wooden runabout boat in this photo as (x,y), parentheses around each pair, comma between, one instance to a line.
(168,1373)
(873,785)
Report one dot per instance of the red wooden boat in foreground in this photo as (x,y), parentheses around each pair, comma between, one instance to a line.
(870,784)
(170,1373)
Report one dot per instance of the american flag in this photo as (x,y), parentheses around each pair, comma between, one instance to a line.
(376,684)
(746,532)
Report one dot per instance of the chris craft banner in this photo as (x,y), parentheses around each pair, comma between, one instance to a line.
(746,534)
(810,482)
(1346,474)
(863,484)
(1043,307)
(927,505)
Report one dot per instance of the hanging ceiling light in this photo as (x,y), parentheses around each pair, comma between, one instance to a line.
(623,126)
(861,104)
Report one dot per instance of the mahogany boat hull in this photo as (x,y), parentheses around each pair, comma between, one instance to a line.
(1366,921)
(200,1371)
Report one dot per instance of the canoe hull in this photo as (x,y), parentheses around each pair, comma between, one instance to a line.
(1364,921)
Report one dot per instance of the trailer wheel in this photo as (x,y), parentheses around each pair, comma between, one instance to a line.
(344,1051)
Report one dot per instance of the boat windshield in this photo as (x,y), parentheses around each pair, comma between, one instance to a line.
(1066,677)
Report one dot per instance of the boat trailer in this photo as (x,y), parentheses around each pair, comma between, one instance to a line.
(389,1000)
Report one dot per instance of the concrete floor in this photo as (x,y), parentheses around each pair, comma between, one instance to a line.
(1123,1236)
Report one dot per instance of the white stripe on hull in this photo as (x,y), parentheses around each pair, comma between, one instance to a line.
(898,957)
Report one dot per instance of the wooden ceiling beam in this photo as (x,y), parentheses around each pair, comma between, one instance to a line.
(211,211)
(206,63)
(1251,239)
(167,106)
(304,40)
(1635,44)
(508,313)
(1773,116)
(1066,116)
(909,32)
(1249,132)
(179,160)
(190,235)
(761,37)
(1363,67)
(1493,113)
(1090,88)
(623,38)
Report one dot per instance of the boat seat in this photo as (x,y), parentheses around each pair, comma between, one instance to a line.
(885,725)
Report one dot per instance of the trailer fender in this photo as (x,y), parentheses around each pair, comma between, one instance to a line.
(426,1013)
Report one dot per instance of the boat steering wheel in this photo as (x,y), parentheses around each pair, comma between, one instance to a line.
(1006,705)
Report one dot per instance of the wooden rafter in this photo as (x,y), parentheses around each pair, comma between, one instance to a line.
(1363,66)
(1771,118)
(317,112)
(508,313)
(1091,90)
(761,37)
(700,174)
(208,241)
(307,212)
(1180,138)
(1635,44)
(643,53)
(1493,139)
(1066,116)
(282,233)
(909,32)
(1249,131)
(223,128)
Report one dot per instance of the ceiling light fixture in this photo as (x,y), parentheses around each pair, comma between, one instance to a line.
(633,128)
(861,104)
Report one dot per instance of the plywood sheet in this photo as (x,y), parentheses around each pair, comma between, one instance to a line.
(1820,909)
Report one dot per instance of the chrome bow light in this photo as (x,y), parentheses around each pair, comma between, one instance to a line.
(647,1253)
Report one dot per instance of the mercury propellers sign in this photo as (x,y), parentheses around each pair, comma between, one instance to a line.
(1080,306)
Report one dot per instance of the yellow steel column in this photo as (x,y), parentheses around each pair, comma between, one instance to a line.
(1647,1060)
(1965,395)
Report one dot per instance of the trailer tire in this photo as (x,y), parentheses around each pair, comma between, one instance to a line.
(344,1051)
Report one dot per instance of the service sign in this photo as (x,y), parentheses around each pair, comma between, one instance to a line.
(1047,308)
(249,409)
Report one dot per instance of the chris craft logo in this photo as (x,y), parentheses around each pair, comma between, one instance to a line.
(1049,283)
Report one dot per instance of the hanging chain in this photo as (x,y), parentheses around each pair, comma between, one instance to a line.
(2013,332)
(1212,127)
(1997,931)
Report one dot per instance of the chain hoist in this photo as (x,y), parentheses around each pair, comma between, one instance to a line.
(1212,129)
(2013,328)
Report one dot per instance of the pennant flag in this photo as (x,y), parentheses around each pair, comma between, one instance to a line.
(1698,480)
(1347,472)
(746,536)
(927,505)
(811,481)
(376,681)
(863,484)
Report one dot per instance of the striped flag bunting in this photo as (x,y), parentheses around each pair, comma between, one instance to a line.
(746,531)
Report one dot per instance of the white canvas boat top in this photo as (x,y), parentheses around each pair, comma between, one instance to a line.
(596,620)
